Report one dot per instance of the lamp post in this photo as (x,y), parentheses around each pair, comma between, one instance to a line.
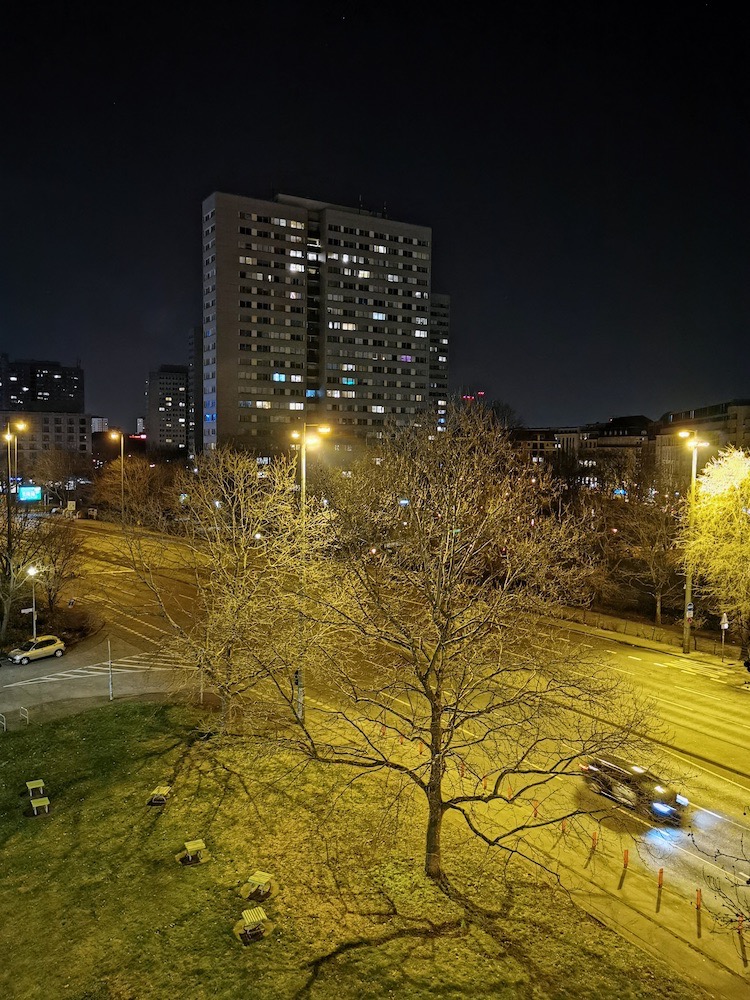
(302,437)
(114,435)
(694,444)
(10,436)
(32,572)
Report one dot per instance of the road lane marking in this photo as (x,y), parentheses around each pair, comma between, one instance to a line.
(639,658)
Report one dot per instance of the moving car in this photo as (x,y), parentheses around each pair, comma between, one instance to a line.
(37,649)
(636,788)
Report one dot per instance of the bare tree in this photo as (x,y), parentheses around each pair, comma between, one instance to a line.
(57,468)
(648,534)
(237,616)
(437,664)
(60,559)
(144,487)
(716,536)
(21,546)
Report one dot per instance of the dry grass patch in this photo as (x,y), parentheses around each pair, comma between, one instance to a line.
(94,906)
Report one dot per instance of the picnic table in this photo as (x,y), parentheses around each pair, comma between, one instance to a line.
(159,795)
(259,882)
(40,802)
(253,922)
(35,786)
(193,849)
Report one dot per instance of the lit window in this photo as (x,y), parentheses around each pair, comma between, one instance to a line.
(296,406)
(378,315)
(378,409)
(297,268)
(263,404)
(279,377)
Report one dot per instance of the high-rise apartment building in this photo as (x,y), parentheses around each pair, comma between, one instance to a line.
(40,386)
(318,313)
(167,408)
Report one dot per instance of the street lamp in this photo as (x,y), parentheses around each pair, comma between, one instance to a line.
(114,435)
(313,440)
(32,572)
(10,436)
(694,444)
(304,440)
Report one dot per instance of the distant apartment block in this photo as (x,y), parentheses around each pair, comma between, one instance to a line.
(624,441)
(40,386)
(167,408)
(318,313)
(36,432)
(718,425)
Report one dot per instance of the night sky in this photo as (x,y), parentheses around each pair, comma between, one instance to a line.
(584,168)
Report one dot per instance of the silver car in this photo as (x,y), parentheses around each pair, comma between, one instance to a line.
(37,649)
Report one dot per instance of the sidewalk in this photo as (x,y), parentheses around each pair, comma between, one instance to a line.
(654,637)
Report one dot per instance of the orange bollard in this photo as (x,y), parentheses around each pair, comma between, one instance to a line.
(382,729)
(740,922)
(462,769)
(625,858)
(536,809)
(510,792)
(401,738)
(421,746)
(698,899)
(484,782)
(660,882)
(594,838)
(564,826)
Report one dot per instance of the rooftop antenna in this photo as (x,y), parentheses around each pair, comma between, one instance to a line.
(385,210)
(360,203)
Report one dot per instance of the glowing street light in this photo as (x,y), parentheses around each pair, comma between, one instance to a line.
(694,444)
(306,439)
(115,435)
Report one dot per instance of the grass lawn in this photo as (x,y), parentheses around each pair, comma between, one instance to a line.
(94,906)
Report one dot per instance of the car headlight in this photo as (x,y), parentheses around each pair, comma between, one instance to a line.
(662,807)
(681,800)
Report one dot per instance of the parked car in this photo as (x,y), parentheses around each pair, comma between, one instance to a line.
(37,649)
(636,788)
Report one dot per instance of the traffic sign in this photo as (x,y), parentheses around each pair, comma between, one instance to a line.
(724,621)
(27,611)
(690,609)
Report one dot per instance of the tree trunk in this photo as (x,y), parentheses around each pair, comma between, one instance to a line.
(658,607)
(432,865)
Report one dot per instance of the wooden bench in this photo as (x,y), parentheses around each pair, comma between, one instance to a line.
(38,803)
(35,786)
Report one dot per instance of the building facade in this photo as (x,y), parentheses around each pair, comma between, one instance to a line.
(315,313)
(35,432)
(41,386)
(167,408)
